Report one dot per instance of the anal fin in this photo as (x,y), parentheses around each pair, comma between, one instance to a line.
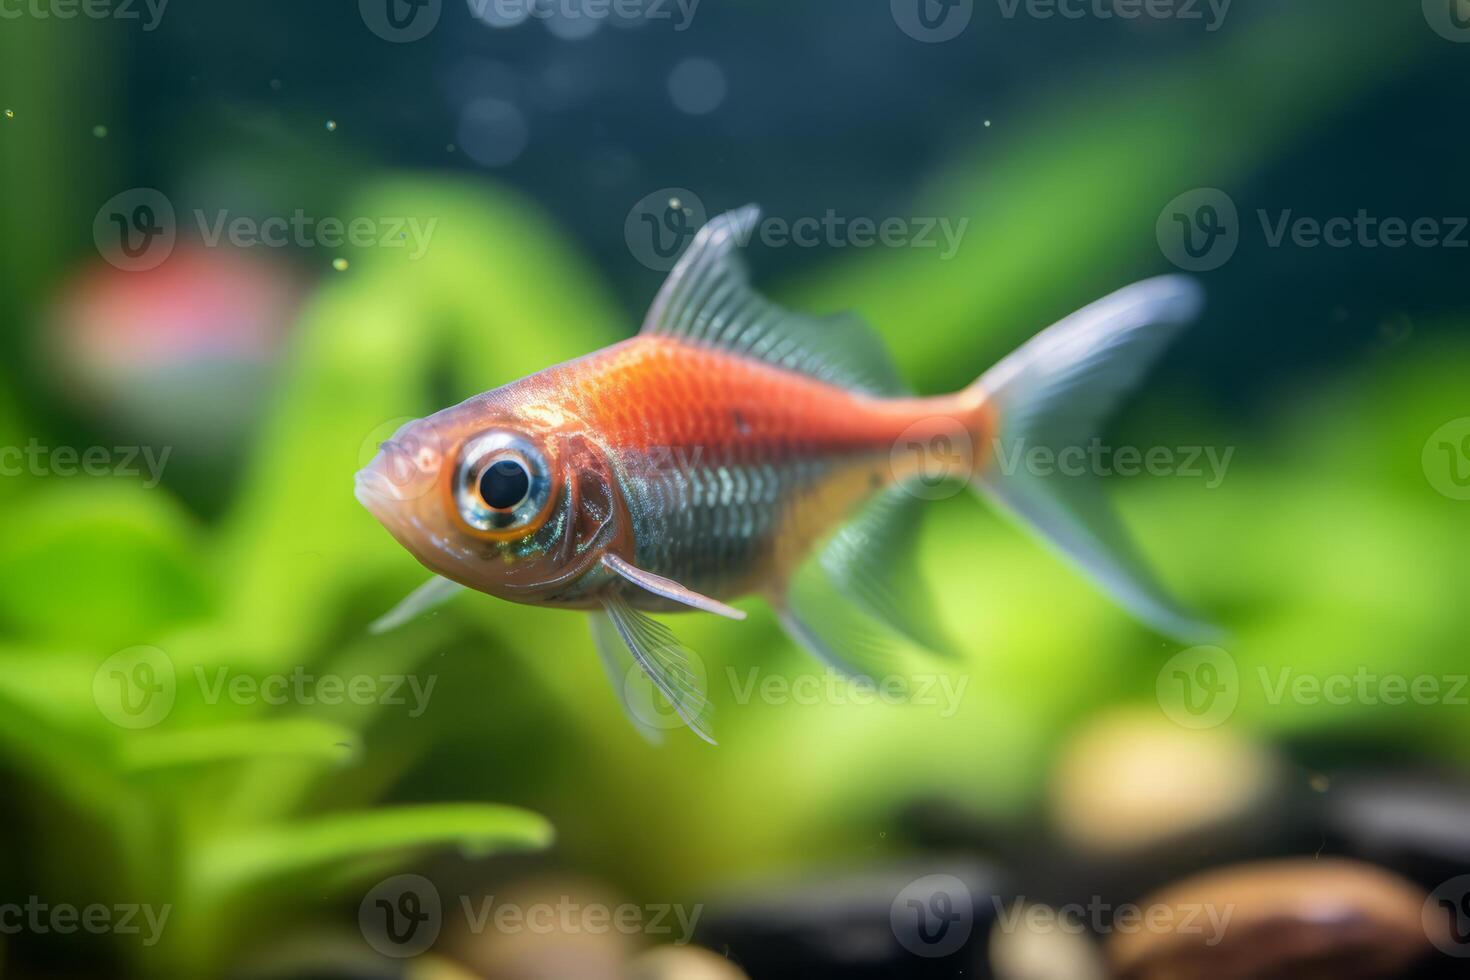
(667,662)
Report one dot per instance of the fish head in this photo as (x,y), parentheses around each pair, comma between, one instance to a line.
(516,501)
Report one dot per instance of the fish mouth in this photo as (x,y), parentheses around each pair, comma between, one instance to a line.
(373,490)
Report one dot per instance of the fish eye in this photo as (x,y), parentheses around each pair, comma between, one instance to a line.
(502,483)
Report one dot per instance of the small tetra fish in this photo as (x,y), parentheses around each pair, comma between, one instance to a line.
(735,448)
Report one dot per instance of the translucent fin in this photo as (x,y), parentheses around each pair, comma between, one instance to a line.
(818,617)
(668,588)
(1055,392)
(665,661)
(432,594)
(872,561)
(708,299)
(618,663)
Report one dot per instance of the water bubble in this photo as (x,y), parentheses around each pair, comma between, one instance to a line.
(331,125)
(493,132)
(340,264)
(697,86)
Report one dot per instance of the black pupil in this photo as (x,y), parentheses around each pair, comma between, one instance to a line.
(504,484)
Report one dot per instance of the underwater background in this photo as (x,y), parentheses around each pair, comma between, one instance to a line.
(239,244)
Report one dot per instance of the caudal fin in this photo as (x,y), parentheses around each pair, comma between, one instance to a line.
(1055,392)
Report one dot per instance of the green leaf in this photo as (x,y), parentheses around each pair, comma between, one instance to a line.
(237,861)
(301,738)
(104,563)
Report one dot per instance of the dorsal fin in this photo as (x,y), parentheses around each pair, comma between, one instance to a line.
(708,299)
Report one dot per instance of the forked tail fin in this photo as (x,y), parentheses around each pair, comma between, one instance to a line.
(1055,392)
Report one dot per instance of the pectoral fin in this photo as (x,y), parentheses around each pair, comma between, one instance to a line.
(668,664)
(668,588)
(432,594)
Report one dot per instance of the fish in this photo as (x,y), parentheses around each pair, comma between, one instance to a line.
(734,448)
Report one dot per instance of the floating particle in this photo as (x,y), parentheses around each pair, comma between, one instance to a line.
(340,264)
(9,113)
(331,125)
(99,131)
